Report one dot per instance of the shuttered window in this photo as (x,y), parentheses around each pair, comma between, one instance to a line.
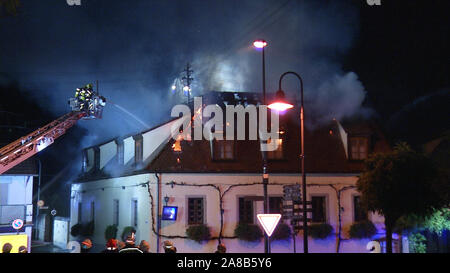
(195,211)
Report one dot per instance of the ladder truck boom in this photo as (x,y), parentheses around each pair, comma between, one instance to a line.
(29,145)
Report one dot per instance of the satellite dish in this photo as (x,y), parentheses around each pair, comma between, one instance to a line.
(40,203)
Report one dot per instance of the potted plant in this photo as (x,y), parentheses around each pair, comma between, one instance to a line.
(248,232)
(111,232)
(320,231)
(198,233)
(363,229)
(282,232)
(75,230)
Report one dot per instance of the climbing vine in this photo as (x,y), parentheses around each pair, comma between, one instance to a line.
(221,193)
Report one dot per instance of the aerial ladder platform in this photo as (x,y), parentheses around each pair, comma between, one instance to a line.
(90,106)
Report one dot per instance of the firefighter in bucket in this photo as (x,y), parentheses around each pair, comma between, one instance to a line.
(84,95)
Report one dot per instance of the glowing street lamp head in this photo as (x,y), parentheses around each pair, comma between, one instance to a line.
(259,43)
(280,104)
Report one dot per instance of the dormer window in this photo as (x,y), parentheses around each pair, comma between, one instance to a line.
(138,149)
(277,153)
(96,158)
(120,151)
(85,162)
(223,149)
(359,148)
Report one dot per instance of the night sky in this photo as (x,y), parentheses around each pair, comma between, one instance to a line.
(389,62)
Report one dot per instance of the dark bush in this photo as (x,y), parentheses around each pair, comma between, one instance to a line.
(282,232)
(111,232)
(198,233)
(127,231)
(75,230)
(320,231)
(363,229)
(87,229)
(248,232)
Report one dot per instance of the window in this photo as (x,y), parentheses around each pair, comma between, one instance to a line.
(96,158)
(245,211)
(138,149)
(80,216)
(85,162)
(134,212)
(278,152)
(358,148)
(195,211)
(359,213)
(275,204)
(223,149)
(92,211)
(318,209)
(120,151)
(116,212)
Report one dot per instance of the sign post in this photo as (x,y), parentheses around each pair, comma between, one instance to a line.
(17,224)
(293,208)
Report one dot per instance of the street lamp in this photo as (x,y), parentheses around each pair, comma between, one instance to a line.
(261,44)
(280,104)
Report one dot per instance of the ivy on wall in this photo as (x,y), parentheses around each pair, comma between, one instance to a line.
(338,189)
(221,195)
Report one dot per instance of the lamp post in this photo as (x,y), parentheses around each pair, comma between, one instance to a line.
(261,44)
(281,105)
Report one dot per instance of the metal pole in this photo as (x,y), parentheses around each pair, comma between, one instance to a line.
(302,156)
(38,198)
(265,172)
(158,213)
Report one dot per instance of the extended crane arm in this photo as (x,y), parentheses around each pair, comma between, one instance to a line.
(18,151)
(27,146)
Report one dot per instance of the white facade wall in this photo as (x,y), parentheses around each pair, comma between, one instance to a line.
(102,193)
(18,190)
(128,149)
(318,184)
(107,152)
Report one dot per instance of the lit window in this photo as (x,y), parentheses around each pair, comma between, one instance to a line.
(358,148)
(223,150)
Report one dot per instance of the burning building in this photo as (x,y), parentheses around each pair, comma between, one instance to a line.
(133,180)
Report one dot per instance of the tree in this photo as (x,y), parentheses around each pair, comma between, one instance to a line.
(399,183)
